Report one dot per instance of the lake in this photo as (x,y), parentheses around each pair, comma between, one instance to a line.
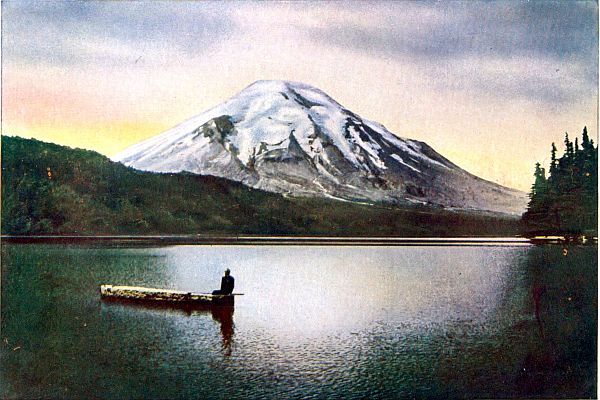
(437,321)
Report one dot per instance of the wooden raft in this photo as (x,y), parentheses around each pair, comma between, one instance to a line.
(138,293)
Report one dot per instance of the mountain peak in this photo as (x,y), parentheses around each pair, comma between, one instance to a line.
(276,85)
(304,94)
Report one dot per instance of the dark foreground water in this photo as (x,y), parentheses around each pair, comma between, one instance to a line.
(315,322)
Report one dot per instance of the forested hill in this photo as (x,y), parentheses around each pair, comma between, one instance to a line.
(52,189)
(566,202)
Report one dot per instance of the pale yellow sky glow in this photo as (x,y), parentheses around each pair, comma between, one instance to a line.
(490,93)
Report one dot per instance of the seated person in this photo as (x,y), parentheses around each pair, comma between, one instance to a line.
(227,283)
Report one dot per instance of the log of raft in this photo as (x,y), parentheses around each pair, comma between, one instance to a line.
(138,293)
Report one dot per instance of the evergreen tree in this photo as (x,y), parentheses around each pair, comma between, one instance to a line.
(538,189)
(552,182)
(553,162)
(585,140)
(537,208)
(569,147)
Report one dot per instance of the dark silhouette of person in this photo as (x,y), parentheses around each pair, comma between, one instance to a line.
(227,283)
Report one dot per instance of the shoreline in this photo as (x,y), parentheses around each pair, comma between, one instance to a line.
(248,240)
(267,240)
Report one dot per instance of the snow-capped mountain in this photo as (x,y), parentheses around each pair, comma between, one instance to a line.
(292,138)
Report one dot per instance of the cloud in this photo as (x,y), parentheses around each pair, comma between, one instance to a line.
(453,29)
(77,32)
(441,37)
(541,82)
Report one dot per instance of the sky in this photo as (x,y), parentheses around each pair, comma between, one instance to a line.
(489,85)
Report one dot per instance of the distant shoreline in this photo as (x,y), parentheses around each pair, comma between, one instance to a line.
(269,240)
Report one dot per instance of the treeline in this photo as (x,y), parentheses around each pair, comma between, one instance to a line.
(566,201)
(49,189)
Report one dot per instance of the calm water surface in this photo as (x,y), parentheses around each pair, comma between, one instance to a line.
(315,322)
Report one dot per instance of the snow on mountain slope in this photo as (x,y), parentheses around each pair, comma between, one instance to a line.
(292,138)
